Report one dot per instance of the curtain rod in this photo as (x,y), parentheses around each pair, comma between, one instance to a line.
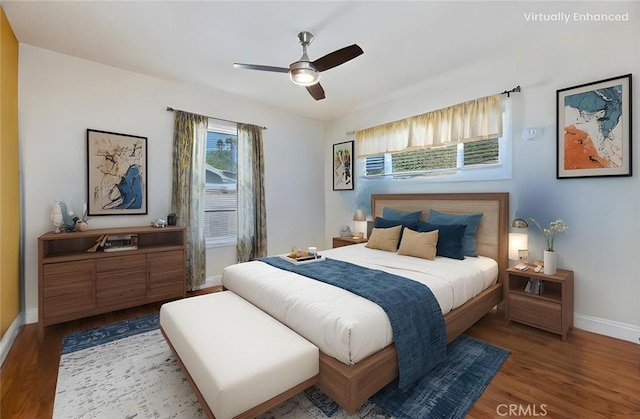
(506,92)
(169,108)
(514,90)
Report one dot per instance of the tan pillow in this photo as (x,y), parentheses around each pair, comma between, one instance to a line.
(384,238)
(420,245)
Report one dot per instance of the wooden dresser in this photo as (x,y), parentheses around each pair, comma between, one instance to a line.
(74,283)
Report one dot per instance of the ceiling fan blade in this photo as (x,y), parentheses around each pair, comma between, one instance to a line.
(316,91)
(262,67)
(335,58)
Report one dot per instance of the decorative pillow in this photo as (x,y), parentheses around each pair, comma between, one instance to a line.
(450,238)
(386,223)
(470,220)
(384,238)
(393,214)
(420,245)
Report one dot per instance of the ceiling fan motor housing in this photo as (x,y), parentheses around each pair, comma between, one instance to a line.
(305,38)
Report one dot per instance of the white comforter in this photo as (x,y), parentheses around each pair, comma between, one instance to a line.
(344,325)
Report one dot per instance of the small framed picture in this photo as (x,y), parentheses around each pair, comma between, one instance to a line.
(343,166)
(523,255)
(116,173)
(594,129)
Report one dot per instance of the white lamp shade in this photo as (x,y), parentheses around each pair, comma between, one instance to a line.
(360,223)
(517,241)
(360,227)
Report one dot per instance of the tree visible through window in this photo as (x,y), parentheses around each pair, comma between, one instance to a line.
(425,160)
(221,220)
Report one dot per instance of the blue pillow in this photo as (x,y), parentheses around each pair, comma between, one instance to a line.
(450,238)
(393,214)
(471,221)
(385,223)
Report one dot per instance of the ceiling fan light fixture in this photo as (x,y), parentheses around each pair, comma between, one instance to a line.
(303,74)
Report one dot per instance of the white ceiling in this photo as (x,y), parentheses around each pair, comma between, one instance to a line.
(405,44)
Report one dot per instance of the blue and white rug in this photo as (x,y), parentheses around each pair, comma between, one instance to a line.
(126,370)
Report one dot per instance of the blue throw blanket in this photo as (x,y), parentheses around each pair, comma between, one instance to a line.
(416,318)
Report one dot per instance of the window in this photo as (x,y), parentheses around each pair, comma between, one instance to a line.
(220,208)
(450,162)
(425,160)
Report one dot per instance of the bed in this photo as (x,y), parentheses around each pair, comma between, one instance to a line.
(357,355)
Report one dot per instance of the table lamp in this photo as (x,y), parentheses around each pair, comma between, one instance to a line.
(519,242)
(360,224)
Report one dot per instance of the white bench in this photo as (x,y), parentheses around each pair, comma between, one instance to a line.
(239,360)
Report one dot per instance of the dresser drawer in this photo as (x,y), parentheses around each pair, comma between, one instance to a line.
(535,312)
(120,289)
(122,263)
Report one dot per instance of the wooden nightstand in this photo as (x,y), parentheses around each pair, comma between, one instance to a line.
(346,241)
(551,310)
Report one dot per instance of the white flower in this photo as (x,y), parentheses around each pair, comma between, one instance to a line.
(556,227)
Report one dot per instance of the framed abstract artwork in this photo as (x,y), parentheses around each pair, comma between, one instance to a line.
(594,129)
(116,173)
(343,166)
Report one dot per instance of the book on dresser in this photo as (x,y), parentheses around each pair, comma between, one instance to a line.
(535,286)
(120,242)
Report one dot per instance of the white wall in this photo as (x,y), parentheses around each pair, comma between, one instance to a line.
(61,96)
(603,243)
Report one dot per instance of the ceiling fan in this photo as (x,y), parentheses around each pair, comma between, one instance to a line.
(305,72)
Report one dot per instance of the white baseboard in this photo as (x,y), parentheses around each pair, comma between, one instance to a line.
(212,281)
(589,323)
(10,336)
(607,327)
(31,316)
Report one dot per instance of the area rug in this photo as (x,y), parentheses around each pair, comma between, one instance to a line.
(126,370)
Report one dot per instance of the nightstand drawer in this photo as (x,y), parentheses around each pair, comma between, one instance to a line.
(535,312)
(347,241)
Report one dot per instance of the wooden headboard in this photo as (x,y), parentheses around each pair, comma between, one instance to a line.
(492,236)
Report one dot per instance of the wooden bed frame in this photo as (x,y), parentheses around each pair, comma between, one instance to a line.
(351,386)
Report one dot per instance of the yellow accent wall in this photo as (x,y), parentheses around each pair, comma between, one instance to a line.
(9,178)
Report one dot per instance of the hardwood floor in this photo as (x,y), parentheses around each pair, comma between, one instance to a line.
(29,374)
(588,376)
